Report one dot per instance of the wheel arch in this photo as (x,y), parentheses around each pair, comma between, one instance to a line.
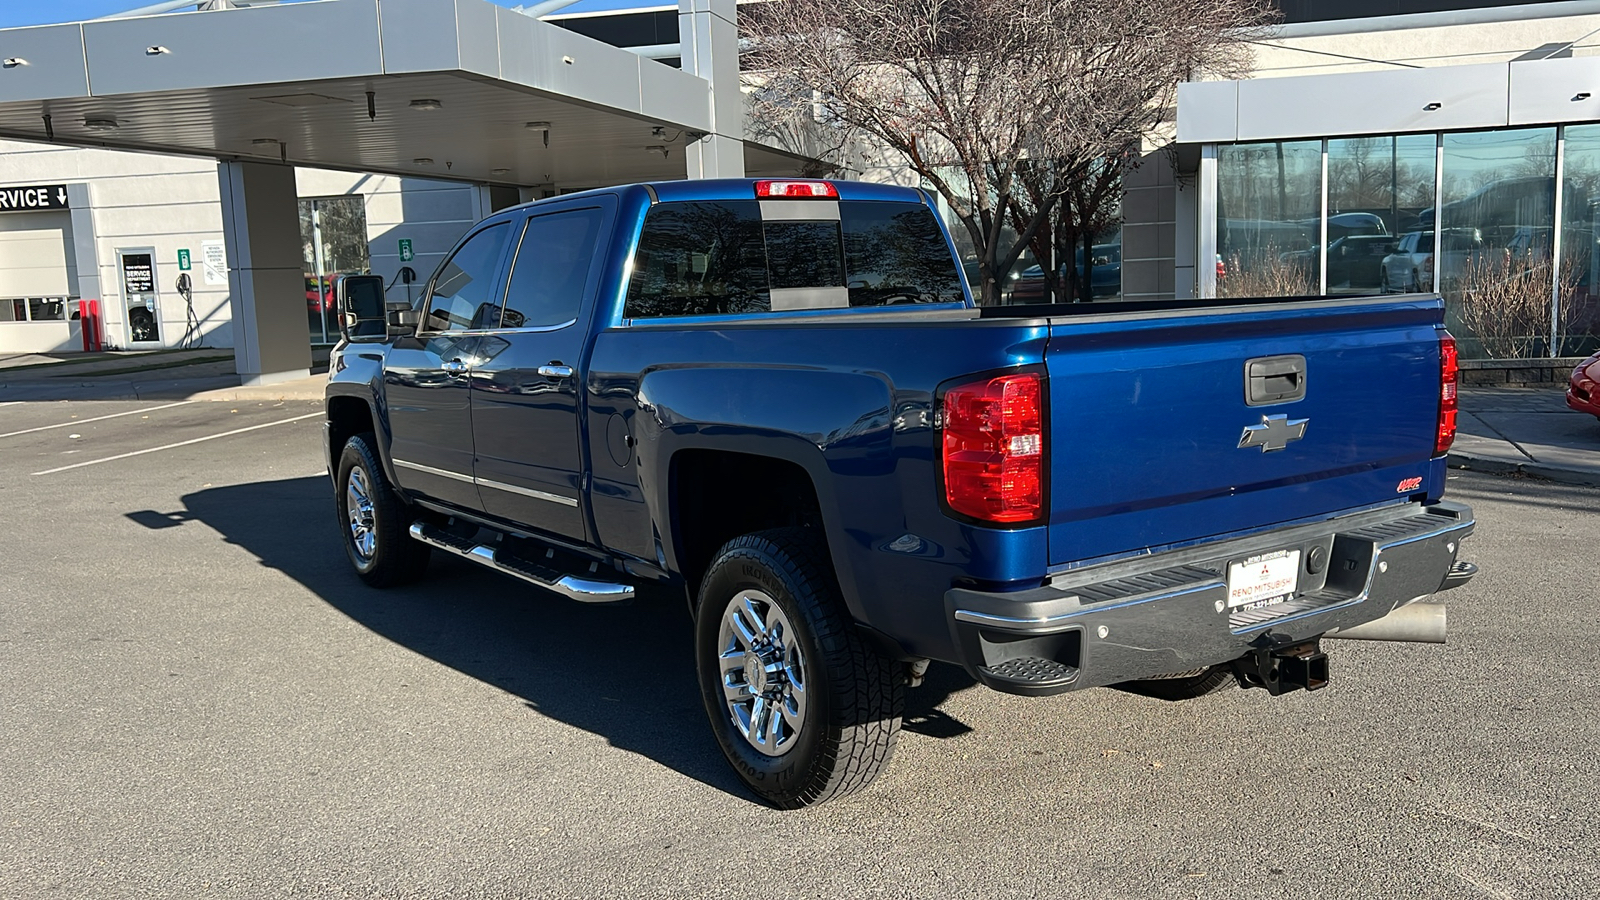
(347,417)
(717,495)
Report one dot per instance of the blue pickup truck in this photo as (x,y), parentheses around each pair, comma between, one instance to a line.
(778,399)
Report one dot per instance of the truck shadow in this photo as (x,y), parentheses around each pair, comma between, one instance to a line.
(625,673)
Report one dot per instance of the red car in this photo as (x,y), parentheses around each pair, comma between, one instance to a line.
(1583,394)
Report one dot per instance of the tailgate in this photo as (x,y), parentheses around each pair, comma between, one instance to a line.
(1148,412)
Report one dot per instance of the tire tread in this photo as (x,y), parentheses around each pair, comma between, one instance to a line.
(399,559)
(866,716)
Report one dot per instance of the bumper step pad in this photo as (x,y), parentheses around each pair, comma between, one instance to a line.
(1032,672)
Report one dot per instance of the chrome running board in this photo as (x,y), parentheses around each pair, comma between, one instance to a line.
(583,590)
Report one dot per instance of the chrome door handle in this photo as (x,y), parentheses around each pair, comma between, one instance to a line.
(555,371)
(455,367)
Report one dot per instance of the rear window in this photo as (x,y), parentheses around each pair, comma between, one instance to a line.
(722,257)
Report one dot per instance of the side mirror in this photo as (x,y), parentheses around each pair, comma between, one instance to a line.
(362,312)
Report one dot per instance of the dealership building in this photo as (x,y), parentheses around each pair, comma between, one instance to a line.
(1397,146)
(202,171)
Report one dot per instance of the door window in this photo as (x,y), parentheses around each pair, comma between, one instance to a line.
(463,291)
(551,269)
(139,292)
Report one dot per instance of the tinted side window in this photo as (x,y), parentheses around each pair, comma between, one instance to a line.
(700,258)
(895,253)
(463,291)
(551,269)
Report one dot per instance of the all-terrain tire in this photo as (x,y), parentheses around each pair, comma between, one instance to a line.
(1187,688)
(392,557)
(854,697)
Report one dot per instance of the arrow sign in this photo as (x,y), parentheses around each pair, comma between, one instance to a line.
(33,197)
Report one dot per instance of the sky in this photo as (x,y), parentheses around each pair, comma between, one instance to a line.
(43,12)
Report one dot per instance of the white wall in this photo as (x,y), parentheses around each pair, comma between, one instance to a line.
(1440,45)
(138,200)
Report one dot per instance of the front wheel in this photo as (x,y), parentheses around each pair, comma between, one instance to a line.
(376,528)
(802,707)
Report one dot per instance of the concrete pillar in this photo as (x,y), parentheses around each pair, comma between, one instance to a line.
(709,37)
(266,278)
(488,199)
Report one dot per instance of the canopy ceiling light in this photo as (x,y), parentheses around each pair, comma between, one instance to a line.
(426,103)
(101,124)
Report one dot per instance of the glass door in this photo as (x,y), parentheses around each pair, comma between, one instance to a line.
(333,233)
(139,295)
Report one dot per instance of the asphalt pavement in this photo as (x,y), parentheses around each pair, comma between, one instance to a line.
(199,699)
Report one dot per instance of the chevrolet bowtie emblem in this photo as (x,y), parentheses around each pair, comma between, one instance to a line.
(1274,433)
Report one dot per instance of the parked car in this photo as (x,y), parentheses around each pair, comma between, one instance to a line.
(1354,261)
(1409,269)
(1583,392)
(1352,224)
(675,385)
(1105,279)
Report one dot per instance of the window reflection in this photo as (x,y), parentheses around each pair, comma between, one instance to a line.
(1269,212)
(461,298)
(1380,214)
(1578,319)
(1494,260)
(896,254)
(551,269)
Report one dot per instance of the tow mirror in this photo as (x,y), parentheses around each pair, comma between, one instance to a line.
(362,312)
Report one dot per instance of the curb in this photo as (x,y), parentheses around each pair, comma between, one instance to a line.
(256,393)
(1533,469)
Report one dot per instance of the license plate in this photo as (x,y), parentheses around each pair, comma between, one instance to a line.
(1263,580)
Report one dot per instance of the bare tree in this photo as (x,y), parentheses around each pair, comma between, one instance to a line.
(969,91)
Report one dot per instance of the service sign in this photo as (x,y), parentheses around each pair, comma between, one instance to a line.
(138,273)
(33,198)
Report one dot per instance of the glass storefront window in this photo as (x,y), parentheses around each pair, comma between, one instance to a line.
(34,309)
(1380,213)
(333,234)
(1578,322)
(1269,219)
(1493,260)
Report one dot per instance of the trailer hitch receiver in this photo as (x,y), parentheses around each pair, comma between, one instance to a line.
(1283,669)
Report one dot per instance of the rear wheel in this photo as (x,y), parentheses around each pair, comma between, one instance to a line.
(802,707)
(1182,685)
(376,528)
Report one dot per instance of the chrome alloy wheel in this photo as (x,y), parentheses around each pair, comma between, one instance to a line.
(358,506)
(763,672)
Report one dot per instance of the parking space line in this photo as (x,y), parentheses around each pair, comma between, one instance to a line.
(209,437)
(95,419)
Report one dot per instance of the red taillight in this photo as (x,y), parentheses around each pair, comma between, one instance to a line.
(801,190)
(994,448)
(1448,368)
